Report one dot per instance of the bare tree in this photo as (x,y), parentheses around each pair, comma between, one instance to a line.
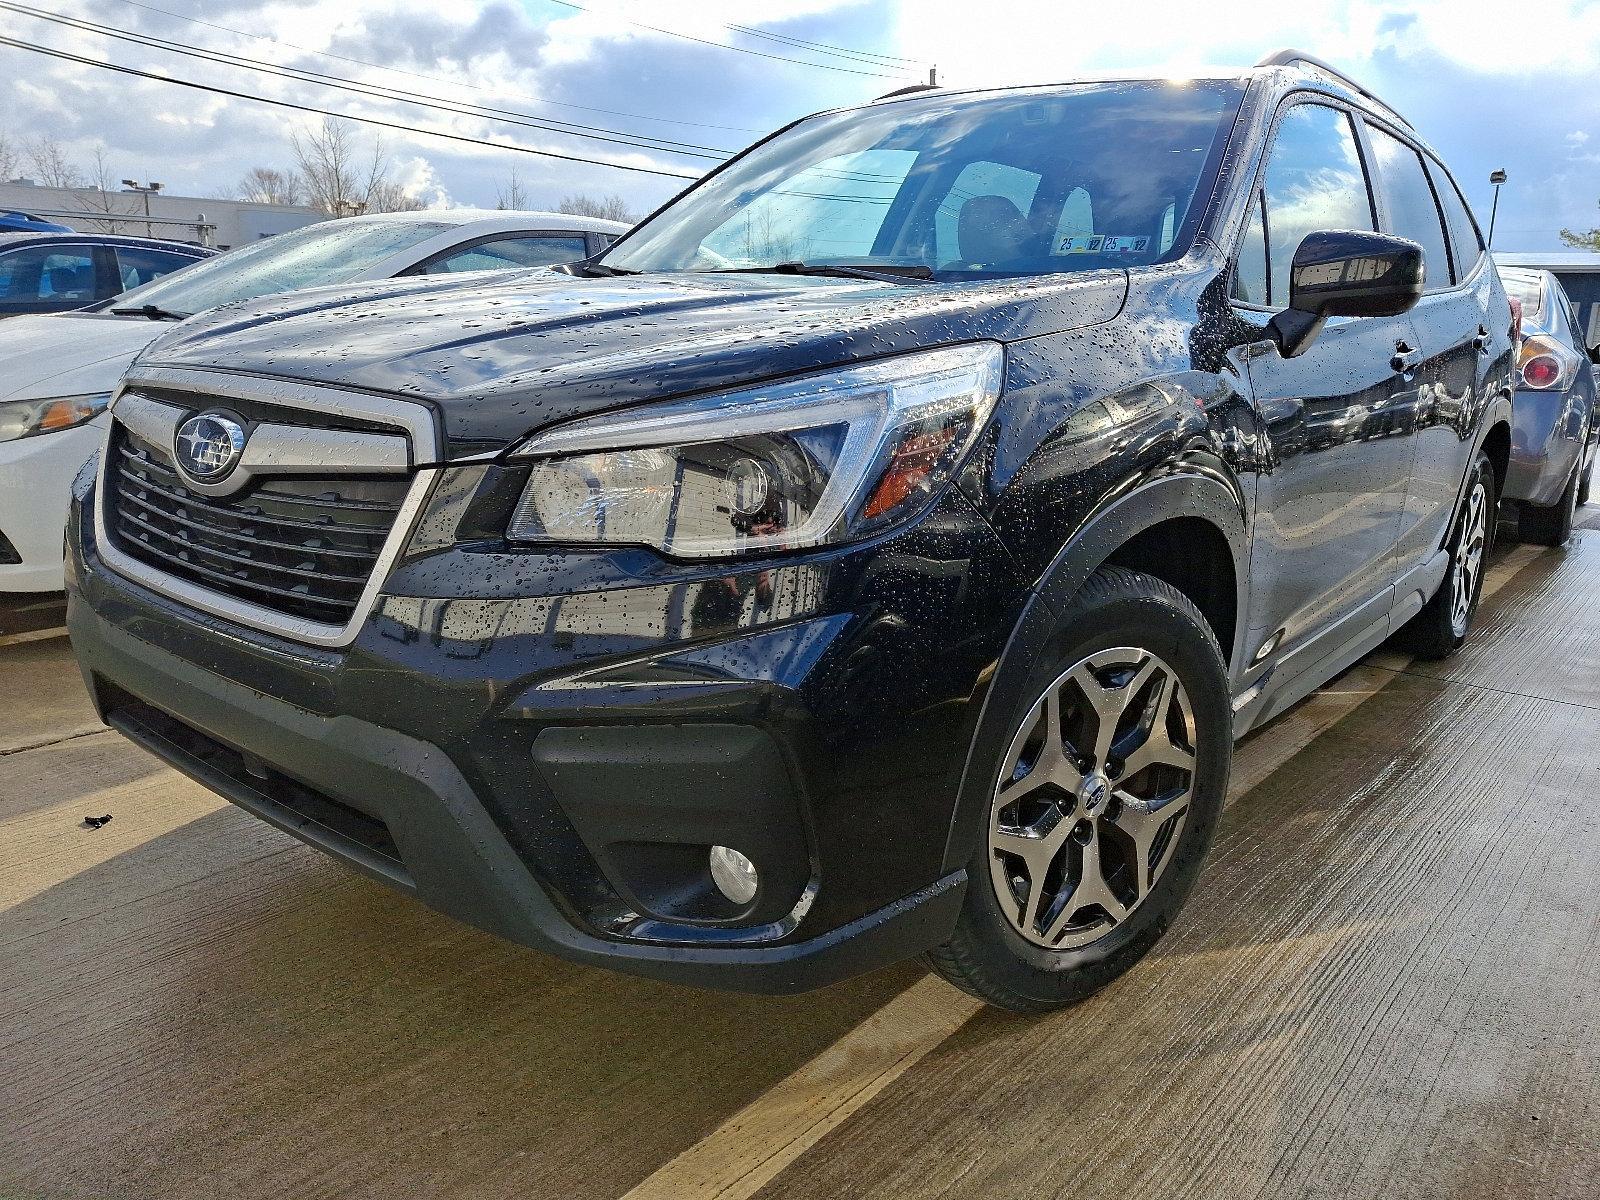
(111,208)
(10,158)
(510,194)
(341,178)
(609,208)
(48,161)
(268,185)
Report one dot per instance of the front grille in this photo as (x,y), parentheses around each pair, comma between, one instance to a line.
(301,547)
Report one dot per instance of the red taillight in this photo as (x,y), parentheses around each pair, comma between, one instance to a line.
(1541,371)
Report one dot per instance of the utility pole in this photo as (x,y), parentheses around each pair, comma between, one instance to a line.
(146,190)
(1496,178)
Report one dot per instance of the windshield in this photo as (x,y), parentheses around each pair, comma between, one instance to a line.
(1018,183)
(328,252)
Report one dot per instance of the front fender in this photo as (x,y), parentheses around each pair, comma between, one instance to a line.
(1187,489)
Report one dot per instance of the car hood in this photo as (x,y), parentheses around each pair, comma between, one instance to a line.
(508,354)
(69,354)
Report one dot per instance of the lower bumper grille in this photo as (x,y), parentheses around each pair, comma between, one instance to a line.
(8,553)
(302,547)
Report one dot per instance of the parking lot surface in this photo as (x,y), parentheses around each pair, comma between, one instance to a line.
(1387,983)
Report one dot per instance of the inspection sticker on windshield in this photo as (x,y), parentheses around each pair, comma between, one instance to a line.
(1102,244)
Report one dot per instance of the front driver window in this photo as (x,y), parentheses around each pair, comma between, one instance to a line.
(506,254)
(1314,181)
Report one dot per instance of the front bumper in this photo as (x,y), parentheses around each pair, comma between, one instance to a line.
(553,768)
(36,475)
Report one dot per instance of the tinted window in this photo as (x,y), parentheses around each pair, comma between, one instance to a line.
(1314,181)
(317,255)
(508,253)
(1083,177)
(1465,239)
(139,264)
(53,275)
(1411,209)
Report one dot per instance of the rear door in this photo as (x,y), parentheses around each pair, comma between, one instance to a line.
(1451,340)
(1327,505)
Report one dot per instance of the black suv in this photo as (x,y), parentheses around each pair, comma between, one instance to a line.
(877,551)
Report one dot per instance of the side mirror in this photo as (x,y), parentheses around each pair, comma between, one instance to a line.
(1346,273)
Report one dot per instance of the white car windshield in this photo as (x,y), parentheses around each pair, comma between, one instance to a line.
(325,253)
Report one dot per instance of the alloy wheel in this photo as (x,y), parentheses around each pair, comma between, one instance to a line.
(1467,566)
(1092,798)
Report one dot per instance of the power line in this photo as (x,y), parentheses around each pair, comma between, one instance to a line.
(51,52)
(822,47)
(379,91)
(361,62)
(689,37)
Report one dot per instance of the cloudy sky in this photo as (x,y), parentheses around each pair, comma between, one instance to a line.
(1490,85)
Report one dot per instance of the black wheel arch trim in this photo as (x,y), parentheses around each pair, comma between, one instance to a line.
(1189,490)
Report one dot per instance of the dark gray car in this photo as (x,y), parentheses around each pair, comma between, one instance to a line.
(1554,428)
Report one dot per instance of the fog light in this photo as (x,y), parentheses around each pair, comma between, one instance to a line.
(734,874)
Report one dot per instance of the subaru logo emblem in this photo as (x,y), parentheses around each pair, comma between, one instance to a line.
(209,446)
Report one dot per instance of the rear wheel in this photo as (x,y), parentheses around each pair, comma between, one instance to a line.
(1105,801)
(1441,627)
(1551,525)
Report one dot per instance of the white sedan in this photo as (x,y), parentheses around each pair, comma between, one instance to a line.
(57,372)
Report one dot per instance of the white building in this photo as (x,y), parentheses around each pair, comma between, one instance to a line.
(210,221)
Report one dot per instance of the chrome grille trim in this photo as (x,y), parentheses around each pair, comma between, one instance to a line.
(211,389)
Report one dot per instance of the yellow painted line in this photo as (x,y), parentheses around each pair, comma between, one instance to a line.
(749,1149)
(33,635)
(744,1153)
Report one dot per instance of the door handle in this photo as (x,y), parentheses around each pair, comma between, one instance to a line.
(1405,358)
(1481,342)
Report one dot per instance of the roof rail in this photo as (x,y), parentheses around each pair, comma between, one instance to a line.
(1290,58)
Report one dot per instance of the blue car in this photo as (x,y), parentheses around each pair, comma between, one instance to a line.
(1555,425)
(21,222)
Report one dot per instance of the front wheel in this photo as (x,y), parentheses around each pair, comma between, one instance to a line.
(1439,630)
(1104,801)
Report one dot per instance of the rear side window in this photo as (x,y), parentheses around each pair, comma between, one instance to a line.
(1465,239)
(1314,181)
(136,264)
(1410,208)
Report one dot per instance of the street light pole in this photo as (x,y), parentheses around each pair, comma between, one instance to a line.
(146,190)
(1496,178)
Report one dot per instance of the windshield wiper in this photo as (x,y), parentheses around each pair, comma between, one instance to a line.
(889,273)
(599,268)
(152,311)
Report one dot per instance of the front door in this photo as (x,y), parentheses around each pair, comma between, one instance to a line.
(1336,461)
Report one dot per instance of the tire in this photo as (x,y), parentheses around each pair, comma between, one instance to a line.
(1036,932)
(1551,525)
(1439,630)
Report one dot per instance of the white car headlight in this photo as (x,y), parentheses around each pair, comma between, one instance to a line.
(801,462)
(25,418)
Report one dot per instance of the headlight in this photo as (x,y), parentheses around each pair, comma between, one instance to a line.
(801,462)
(24,418)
